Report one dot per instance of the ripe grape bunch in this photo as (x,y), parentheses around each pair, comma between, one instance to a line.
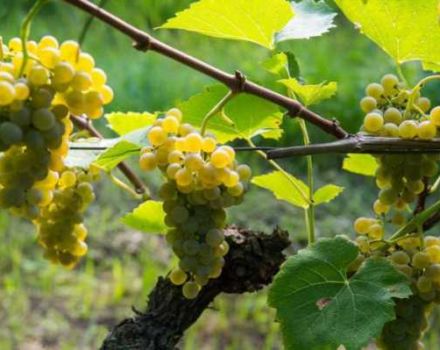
(202,178)
(39,90)
(60,228)
(394,111)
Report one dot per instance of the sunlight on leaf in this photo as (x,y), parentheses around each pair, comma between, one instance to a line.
(362,164)
(256,21)
(310,94)
(326,194)
(282,187)
(148,217)
(124,123)
(311,19)
(407,30)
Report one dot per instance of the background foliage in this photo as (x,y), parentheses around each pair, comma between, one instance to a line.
(45,306)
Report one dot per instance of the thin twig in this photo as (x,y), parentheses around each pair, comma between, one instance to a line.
(360,144)
(238,83)
(123,167)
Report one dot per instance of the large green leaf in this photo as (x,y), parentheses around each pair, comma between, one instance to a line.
(310,94)
(312,18)
(263,118)
(148,217)
(276,64)
(406,29)
(284,187)
(326,194)
(362,164)
(124,123)
(256,21)
(319,307)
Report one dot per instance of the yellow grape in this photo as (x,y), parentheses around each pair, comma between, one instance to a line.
(424,104)
(232,180)
(147,161)
(185,129)
(435,116)
(380,208)
(176,113)
(49,57)
(49,181)
(373,122)
(178,277)
(398,219)
(362,225)
(368,104)
(400,257)
(426,130)
(208,145)
(408,129)
(107,94)
(375,90)
(376,232)
(176,157)
(85,62)
(170,124)
(392,115)
(433,272)
(434,253)
(220,158)
(421,260)
(21,91)
(48,41)
(80,232)
(156,136)
(363,244)
(82,81)
(7,93)
(172,170)
(67,179)
(389,82)
(190,290)
(184,177)
(39,75)
(15,44)
(99,78)
(431,241)
(391,130)
(194,162)
(193,142)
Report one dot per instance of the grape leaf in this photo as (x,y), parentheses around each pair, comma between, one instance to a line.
(310,94)
(407,30)
(284,187)
(110,158)
(362,164)
(276,64)
(293,65)
(256,21)
(147,217)
(81,158)
(124,123)
(311,19)
(319,307)
(263,118)
(326,194)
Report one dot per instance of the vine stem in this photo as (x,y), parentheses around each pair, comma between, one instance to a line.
(26,29)
(123,167)
(417,221)
(236,82)
(275,165)
(216,109)
(359,144)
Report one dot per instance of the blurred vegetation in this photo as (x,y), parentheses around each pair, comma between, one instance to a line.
(44,306)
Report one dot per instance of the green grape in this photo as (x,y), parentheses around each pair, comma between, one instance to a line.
(60,111)
(179,214)
(416,187)
(420,260)
(212,193)
(191,247)
(388,196)
(167,191)
(424,284)
(400,257)
(21,117)
(43,119)
(190,290)
(429,168)
(424,104)
(10,133)
(244,171)
(214,237)
(148,161)
(42,98)
(34,139)
(178,277)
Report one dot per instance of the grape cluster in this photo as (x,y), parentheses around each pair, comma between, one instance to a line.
(60,229)
(202,178)
(36,98)
(393,111)
(419,260)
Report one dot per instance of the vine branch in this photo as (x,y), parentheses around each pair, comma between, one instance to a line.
(254,258)
(359,144)
(123,167)
(237,82)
